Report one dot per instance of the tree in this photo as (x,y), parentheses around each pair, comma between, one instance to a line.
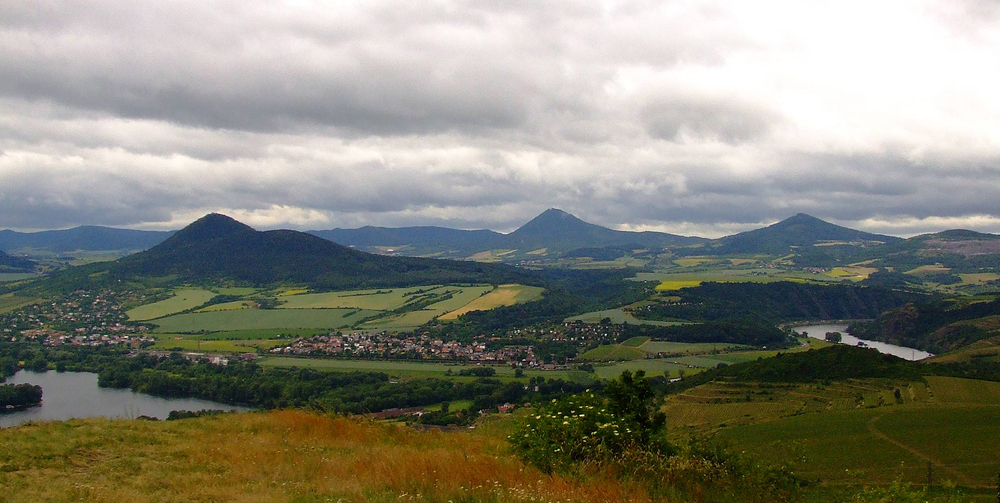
(631,398)
(834,337)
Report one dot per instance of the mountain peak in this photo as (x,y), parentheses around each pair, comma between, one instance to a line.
(552,221)
(211,226)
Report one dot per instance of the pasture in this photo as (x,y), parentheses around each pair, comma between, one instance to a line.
(182,300)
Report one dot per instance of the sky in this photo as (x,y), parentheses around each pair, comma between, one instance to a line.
(695,117)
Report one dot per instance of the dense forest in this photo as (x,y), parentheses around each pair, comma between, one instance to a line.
(777,302)
(745,331)
(19,396)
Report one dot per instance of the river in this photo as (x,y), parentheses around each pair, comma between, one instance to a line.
(819,332)
(69,395)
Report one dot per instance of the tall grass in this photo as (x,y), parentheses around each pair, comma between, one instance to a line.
(277,456)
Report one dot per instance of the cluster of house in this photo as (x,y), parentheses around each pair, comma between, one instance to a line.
(383,345)
(83,318)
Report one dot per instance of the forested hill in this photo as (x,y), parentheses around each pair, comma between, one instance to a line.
(800,230)
(218,248)
(557,230)
(9,263)
(777,302)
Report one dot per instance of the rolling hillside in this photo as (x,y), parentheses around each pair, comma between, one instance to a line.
(217,248)
(798,231)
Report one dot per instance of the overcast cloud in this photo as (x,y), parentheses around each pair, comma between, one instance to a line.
(694,117)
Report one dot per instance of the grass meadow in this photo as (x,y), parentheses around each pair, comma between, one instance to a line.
(183,299)
(284,456)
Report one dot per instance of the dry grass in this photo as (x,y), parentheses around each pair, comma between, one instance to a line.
(278,456)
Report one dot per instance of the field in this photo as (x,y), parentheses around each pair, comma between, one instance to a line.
(286,456)
(618,316)
(175,342)
(254,319)
(504,295)
(613,352)
(8,302)
(418,369)
(670,280)
(182,300)
(6,277)
(296,309)
(857,432)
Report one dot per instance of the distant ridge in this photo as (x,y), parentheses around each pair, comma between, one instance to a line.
(553,230)
(800,230)
(85,238)
(217,247)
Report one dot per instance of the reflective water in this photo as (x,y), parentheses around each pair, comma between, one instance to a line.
(819,332)
(69,395)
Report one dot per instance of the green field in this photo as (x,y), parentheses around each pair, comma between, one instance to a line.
(9,302)
(618,316)
(255,319)
(418,369)
(6,277)
(182,300)
(184,343)
(685,347)
(608,352)
(858,431)
(375,300)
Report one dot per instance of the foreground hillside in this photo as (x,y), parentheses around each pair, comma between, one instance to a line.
(273,457)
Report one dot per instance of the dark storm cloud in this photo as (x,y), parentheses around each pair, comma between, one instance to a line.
(699,116)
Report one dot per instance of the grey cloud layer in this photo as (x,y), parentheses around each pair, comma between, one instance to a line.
(669,115)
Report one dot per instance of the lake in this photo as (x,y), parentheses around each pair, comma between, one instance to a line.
(819,332)
(69,395)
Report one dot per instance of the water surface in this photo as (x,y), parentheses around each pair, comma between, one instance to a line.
(819,332)
(69,395)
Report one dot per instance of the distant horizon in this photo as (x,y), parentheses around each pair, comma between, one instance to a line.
(696,118)
(624,227)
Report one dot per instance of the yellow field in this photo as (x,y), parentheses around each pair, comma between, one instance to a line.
(293,292)
(677,284)
(504,295)
(856,273)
